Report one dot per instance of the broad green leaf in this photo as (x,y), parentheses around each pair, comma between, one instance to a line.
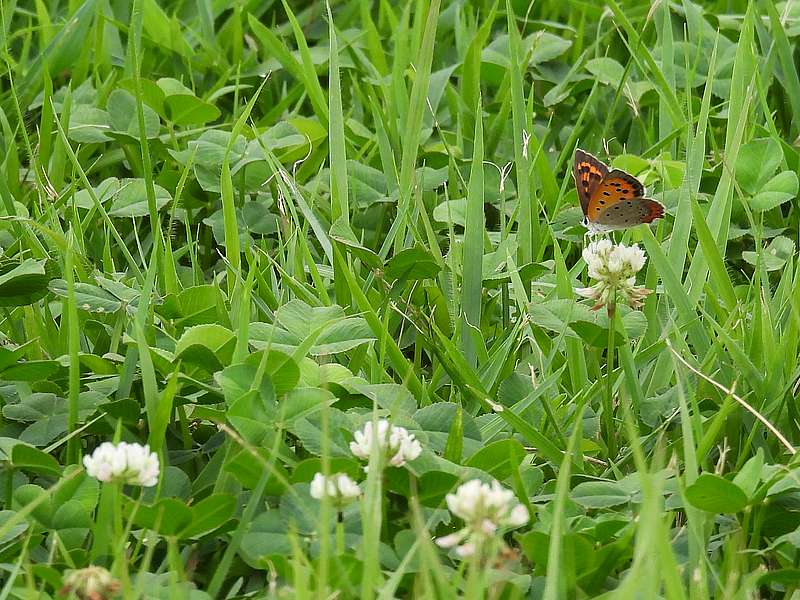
(186,109)
(756,162)
(82,488)
(32,459)
(340,433)
(599,494)
(167,517)
(47,414)
(251,411)
(9,355)
(412,264)
(749,475)
(324,330)
(544,46)
(16,530)
(152,94)
(122,112)
(499,459)
(606,70)
(257,218)
(26,495)
(31,370)
(208,342)
(305,470)
(193,306)
(451,211)
(164,30)
(89,125)
(774,256)
(131,200)
(169,86)
(281,368)
(73,523)
(436,421)
(301,402)
(299,510)
(88,297)
(395,398)
(238,379)
(435,485)
(266,537)
(209,514)
(779,189)
(367,184)
(24,283)
(104,191)
(715,494)
(248,470)
(342,232)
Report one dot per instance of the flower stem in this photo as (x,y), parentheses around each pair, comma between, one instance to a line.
(474,584)
(117,511)
(339,534)
(608,404)
(384,501)
(116,545)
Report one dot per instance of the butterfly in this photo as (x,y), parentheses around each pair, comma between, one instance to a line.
(611,198)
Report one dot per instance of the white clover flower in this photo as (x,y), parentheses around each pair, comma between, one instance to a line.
(132,464)
(518,516)
(466,550)
(90,583)
(614,268)
(338,487)
(395,444)
(477,503)
(485,508)
(448,541)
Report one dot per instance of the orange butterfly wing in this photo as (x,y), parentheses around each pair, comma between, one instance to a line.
(616,186)
(588,173)
(629,213)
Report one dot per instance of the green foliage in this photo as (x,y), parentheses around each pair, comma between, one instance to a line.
(240,232)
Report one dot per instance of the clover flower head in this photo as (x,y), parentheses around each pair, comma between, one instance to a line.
(90,583)
(487,505)
(466,550)
(338,487)
(485,508)
(613,268)
(132,464)
(395,444)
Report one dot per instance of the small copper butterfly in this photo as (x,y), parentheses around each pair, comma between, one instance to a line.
(611,199)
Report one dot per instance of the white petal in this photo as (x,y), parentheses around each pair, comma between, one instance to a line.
(465,550)
(519,516)
(448,541)
(317,487)
(588,292)
(488,527)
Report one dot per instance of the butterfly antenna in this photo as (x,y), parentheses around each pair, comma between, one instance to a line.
(606,142)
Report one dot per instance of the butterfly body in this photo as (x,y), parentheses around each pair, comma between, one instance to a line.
(611,199)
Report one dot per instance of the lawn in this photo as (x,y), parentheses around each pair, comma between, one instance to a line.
(297,300)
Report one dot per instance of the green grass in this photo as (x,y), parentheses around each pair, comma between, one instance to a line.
(239,231)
